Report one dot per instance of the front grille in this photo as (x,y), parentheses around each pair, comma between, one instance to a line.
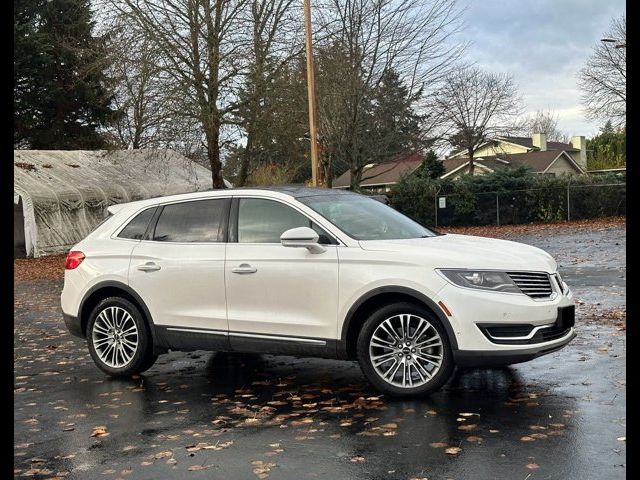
(533,284)
(508,330)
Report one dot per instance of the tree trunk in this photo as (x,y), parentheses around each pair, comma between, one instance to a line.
(328,172)
(356,178)
(471,165)
(243,173)
(245,160)
(213,153)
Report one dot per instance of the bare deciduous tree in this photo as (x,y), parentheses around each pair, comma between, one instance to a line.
(367,38)
(542,122)
(203,45)
(140,92)
(476,105)
(603,79)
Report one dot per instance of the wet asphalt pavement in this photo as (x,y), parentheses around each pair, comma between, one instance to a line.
(230,416)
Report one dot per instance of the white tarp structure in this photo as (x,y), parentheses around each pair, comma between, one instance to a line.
(60,196)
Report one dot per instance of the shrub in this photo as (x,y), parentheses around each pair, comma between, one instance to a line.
(522,197)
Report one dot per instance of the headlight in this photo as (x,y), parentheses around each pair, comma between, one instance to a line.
(482,280)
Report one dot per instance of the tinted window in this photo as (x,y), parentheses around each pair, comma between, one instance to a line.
(365,219)
(198,221)
(263,221)
(135,228)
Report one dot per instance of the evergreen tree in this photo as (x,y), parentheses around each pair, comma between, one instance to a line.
(273,118)
(396,124)
(608,149)
(60,88)
(607,128)
(431,167)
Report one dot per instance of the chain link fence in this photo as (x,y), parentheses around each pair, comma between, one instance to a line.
(571,202)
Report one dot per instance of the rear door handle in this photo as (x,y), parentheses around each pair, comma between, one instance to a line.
(149,267)
(244,268)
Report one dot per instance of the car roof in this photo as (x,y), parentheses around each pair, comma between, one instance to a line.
(295,191)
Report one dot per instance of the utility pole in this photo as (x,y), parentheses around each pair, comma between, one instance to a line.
(311,93)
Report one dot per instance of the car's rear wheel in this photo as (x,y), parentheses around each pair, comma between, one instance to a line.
(119,339)
(404,350)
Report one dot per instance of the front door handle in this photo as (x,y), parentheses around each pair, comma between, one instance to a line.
(244,268)
(149,267)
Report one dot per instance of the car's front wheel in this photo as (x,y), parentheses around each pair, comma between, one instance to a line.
(118,338)
(404,350)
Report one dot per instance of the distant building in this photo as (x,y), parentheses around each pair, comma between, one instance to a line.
(382,176)
(535,153)
(540,155)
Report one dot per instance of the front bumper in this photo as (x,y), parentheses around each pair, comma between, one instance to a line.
(496,358)
(474,312)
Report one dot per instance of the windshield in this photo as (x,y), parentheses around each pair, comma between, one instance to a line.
(365,219)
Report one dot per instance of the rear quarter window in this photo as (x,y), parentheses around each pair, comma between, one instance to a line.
(137,227)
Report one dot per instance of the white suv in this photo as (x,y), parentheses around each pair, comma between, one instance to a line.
(309,272)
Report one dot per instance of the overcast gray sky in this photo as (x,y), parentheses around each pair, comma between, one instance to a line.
(543,44)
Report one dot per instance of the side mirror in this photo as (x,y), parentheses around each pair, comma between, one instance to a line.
(302,237)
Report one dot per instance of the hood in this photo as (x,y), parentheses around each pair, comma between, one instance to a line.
(467,251)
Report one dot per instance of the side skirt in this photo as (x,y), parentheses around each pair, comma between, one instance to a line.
(187,339)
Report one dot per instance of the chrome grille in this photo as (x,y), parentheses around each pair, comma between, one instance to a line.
(533,284)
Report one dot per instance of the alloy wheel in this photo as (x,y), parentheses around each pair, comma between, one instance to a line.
(406,350)
(115,337)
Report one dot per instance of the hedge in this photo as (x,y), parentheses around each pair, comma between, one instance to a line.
(510,197)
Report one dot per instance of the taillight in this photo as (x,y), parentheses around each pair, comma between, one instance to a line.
(73,260)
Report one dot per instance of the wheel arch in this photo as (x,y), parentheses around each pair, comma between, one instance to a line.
(376,298)
(112,288)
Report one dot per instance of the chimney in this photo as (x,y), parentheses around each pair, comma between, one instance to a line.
(580,143)
(539,140)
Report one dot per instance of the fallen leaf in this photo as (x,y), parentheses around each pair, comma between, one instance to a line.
(197,468)
(164,454)
(453,450)
(100,431)
(467,427)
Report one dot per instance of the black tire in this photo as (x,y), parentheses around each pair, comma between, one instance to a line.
(143,357)
(364,337)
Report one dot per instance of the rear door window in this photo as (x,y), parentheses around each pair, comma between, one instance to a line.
(197,221)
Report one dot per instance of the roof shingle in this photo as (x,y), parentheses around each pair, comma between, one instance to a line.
(383,173)
(528,143)
(536,160)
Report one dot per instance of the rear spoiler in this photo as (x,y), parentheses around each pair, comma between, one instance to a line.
(113,209)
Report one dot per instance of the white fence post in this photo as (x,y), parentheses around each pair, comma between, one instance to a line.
(435,208)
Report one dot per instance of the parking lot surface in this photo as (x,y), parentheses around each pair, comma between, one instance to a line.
(235,416)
